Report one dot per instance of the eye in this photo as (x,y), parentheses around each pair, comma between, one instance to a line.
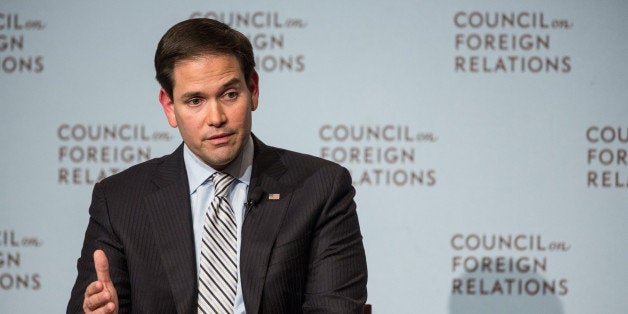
(231,95)
(194,102)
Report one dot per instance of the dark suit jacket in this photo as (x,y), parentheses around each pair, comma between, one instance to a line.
(300,253)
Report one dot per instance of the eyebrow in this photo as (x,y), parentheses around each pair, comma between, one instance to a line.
(232,82)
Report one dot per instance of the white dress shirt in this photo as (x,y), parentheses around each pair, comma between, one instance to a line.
(202,192)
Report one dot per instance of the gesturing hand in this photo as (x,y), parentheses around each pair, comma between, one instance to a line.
(101,295)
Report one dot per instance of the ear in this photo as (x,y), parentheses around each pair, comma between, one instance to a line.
(168,106)
(253,85)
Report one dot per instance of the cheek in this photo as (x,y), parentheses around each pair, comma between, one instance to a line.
(245,121)
(189,118)
(241,116)
(189,125)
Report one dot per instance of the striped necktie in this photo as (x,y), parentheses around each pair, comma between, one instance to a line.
(218,274)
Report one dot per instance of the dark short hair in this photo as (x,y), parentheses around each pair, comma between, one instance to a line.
(196,37)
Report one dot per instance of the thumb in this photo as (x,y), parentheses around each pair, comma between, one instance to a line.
(102,266)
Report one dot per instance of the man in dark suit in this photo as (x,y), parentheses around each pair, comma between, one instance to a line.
(299,247)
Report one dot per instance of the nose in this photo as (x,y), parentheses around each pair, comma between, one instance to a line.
(215,115)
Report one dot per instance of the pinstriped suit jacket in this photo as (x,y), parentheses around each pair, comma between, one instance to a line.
(300,253)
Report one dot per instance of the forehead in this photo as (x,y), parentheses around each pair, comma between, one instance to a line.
(207,68)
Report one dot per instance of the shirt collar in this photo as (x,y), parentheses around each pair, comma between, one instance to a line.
(198,171)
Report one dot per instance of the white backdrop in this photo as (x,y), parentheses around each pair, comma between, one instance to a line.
(497,130)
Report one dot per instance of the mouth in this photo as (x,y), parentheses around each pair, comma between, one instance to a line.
(220,138)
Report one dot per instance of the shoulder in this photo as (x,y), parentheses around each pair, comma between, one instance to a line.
(144,173)
(301,168)
(308,161)
(269,155)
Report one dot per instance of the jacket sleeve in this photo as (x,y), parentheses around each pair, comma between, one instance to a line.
(337,272)
(100,235)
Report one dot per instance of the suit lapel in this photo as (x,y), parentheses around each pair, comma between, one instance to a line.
(171,219)
(262,223)
(170,216)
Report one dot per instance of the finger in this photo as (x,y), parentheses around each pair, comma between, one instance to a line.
(98,301)
(110,308)
(94,288)
(102,266)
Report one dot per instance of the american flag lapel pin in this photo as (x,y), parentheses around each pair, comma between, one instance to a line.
(273,196)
